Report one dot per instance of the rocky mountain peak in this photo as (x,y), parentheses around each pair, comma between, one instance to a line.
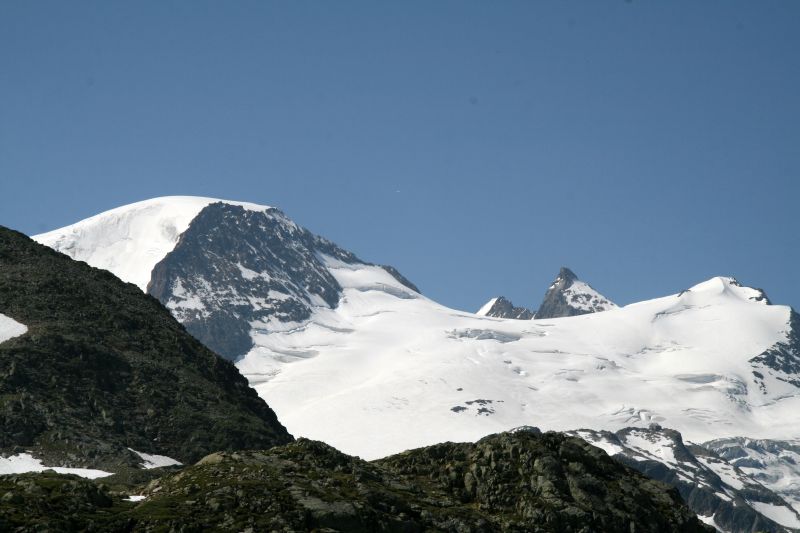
(565,277)
(569,296)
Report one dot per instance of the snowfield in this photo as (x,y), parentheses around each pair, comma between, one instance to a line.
(390,370)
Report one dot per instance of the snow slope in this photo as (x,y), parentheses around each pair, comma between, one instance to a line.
(389,369)
(10,328)
(129,240)
(582,296)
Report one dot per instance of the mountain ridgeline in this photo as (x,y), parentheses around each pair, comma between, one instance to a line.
(104,368)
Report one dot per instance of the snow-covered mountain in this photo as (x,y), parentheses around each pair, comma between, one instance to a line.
(713,361)
(569,296)
(226,270)
(692,361)
(501,307)
(352,354)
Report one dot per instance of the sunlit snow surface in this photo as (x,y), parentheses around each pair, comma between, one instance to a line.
(390,369)
(129,240)
(580,295)
(25,462)
(10,328)
(778,513)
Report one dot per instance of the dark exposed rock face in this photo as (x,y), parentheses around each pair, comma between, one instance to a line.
(503,308)
(568,296)
(783,359)
(234,270)
(509,482)
(695,472)
(104,367)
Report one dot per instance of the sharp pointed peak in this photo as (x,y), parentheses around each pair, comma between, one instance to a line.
(566,273)
(569,296)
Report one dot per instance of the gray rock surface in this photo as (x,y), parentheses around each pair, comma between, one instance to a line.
(503,308)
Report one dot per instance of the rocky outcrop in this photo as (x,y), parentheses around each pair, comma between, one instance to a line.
(523,481)
(104,368)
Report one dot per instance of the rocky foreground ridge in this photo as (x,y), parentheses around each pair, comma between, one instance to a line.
(105,369)
(523,481)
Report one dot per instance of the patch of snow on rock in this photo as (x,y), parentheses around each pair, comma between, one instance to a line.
(10,328)
(155,461)
(25,462)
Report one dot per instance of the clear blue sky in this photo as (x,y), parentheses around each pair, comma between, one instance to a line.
(477,146)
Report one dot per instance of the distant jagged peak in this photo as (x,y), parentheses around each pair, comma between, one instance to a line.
(569,296)
(501,307)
